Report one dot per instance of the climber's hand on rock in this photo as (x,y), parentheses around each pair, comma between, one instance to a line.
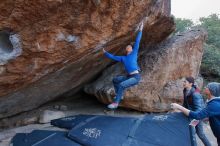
(141,26)
(103,49)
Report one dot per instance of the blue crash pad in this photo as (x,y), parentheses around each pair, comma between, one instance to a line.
(103,131)
(43,138)
(98,130)
(163,130)
(150,130)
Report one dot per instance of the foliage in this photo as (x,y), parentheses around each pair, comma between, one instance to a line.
(212,24)
(210,67)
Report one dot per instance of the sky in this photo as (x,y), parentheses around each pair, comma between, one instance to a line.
(194,9)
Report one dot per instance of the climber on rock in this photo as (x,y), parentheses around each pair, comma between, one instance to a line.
(129,61)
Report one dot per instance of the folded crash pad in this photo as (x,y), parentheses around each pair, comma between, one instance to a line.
(70,122)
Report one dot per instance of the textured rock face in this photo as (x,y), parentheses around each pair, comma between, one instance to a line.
(163,69)
(58,43)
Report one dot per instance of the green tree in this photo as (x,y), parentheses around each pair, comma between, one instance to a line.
(210,66)
(212,24)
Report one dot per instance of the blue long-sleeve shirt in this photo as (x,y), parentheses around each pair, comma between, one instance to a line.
(130,60)
(211,111)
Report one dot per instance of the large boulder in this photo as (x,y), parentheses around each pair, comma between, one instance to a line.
(48,47)
(163,68)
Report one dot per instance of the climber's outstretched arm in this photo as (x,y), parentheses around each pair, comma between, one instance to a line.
(138,38)
(111,56)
